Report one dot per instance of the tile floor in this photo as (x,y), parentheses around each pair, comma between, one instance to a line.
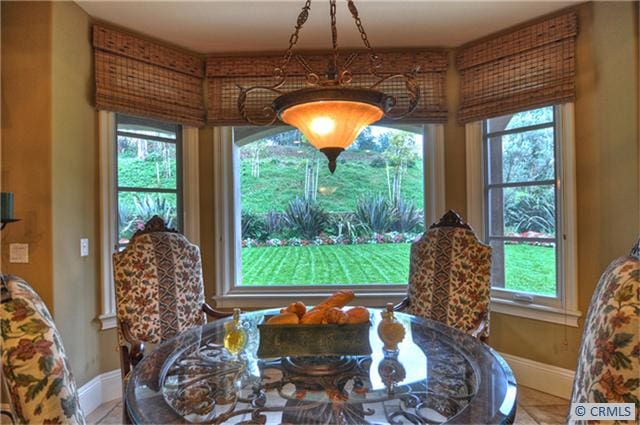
(534,408)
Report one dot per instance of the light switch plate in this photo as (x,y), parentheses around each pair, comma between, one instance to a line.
(19,253)
(84,247)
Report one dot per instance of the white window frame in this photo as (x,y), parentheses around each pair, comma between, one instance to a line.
(563,309)
(227,228)
(108,203)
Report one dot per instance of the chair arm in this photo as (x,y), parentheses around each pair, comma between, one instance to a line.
(213,313)
(480,329)
(402,305)
(135,353)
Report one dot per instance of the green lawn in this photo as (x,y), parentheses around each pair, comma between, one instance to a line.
(529,268)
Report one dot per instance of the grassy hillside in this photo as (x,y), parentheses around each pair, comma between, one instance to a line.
(282,179)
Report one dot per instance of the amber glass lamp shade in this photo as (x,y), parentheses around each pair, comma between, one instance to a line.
(332,120)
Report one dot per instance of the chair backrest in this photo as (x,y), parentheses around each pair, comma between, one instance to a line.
(609,360)
(35,367)
(158,282)
(450,275)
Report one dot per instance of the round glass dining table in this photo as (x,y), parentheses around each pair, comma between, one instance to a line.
(437,375)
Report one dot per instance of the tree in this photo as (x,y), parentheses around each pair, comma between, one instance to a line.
(398,156)
(366,141)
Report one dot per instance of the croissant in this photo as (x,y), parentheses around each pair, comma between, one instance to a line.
(298,308)
(335,315)
(284,319)
(357,315)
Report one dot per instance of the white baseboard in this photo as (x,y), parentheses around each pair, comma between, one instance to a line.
(541,376)
(101,389)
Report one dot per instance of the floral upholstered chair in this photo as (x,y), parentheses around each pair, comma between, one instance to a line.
(159,289)
(35,367)
(450,277)
(609,362)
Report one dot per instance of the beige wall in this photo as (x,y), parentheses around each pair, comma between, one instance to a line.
(26,139)
(50,161)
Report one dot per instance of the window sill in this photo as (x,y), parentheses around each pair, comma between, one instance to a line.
(536,312)
(277,298)
(107,321)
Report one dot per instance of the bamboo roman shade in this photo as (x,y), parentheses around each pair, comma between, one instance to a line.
(139,77)
(526,68)
(225,74)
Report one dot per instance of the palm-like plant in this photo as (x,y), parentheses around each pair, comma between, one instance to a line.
(375,213)
(306,217)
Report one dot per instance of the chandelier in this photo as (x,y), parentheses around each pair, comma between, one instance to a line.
(329,111)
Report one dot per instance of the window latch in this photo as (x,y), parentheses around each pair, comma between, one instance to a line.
(523,298)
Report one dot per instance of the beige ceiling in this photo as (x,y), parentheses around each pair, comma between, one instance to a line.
(254,26)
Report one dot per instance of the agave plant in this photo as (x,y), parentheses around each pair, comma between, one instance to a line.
(408,217)
(375,213)
(148,206)
(306,218)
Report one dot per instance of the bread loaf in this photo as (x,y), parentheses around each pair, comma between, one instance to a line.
(357,315)
(284,319)
(339,299)
(314,317)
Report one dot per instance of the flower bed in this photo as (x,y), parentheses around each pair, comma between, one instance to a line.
(376,238)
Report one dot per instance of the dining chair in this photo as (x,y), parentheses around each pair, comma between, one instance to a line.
(159,291)
(35,368)
(609,360)
(450,277)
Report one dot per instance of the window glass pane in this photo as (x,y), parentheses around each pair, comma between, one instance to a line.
(521,119)
(521,157)
(302,225)
(528,211)
(147,127)
(146,163)
(136,208)
(524,267)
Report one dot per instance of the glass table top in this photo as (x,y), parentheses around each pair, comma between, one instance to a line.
(437,375)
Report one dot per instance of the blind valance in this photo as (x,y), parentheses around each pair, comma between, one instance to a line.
(139,77)
(226,73)
(529,67)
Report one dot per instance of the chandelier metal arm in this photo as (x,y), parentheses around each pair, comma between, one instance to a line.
(413,91)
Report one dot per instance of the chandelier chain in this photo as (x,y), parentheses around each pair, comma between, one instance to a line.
(293,39)
(334,34)
(374,60)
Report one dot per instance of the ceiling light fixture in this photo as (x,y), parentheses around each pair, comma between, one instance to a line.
(330,112)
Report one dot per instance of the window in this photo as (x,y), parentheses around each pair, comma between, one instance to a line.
(527,184)
(143,165)
(148,175)
(290,225)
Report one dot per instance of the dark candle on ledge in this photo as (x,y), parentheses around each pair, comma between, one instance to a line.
(6,205)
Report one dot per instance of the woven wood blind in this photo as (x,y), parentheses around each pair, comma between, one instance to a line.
(139,77)
(225,74)
(530,67)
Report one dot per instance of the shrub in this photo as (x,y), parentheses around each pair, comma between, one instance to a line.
(378,162)
(408,217)
(530,211)
(253,227)
(307,218)
(375,214)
